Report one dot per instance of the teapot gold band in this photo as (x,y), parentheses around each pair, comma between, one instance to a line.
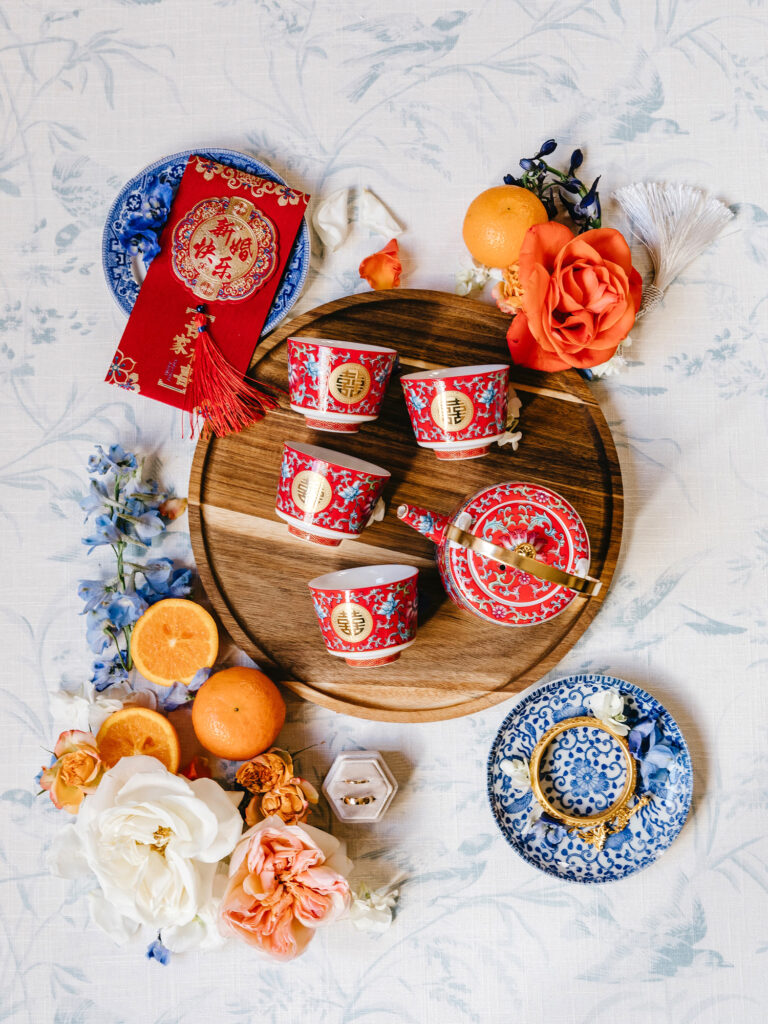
(593,829)
(581,584)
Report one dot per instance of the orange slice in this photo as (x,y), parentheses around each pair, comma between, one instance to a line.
(172,640)
(137,730)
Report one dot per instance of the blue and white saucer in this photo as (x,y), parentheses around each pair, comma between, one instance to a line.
(139,212)
(583,772)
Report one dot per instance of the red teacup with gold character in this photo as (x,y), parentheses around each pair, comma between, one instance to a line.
(458,412)
(326,497)
(337,385)
(368,615)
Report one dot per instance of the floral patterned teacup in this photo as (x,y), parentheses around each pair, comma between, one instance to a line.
(368,615)
(458,412)
(326,497)
(337,385)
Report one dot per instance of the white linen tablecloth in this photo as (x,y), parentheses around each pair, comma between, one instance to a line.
(426,107)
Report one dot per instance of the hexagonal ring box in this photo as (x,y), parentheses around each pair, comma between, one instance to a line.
(359,786)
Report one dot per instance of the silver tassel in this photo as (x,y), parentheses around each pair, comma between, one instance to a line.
(675,223)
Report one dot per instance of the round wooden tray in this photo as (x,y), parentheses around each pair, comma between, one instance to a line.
(256,573)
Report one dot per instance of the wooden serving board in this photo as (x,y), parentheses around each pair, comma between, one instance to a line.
(256,573)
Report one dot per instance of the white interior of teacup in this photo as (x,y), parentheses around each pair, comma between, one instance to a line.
(337,458)
(347,346)
(363,577)
(456,371)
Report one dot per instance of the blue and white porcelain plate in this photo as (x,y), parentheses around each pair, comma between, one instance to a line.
(583,773)
(139,212)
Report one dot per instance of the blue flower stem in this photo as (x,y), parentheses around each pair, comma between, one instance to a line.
(113,637)
(127,661)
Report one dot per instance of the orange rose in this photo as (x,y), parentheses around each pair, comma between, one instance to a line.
(77,770)
(580,297)
(267,771)
(292,802)
(383,268)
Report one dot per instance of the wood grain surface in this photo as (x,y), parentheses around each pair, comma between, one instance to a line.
(256,573)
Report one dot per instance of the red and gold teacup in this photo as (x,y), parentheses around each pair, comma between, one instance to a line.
(368,615)
(458,412)
(337,385)
(326,497)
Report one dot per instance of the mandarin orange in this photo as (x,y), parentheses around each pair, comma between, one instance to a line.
(138,730)
(497,221)
(237,713)
(172,640)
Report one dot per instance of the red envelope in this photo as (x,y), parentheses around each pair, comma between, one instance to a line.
(223,253)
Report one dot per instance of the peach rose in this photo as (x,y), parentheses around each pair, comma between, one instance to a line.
(284,882)
(267,771)
(383,268)
(76,771)
(290,802)
(580,295)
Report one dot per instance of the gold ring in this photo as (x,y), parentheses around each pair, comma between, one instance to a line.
(357,801)
(356,782)
(587,821)
(518,560)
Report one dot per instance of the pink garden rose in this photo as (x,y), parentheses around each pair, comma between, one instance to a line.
(284,882)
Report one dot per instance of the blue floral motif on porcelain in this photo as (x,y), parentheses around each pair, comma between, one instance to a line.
(138,215)
(583,772)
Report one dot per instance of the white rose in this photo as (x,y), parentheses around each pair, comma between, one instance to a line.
(153,841)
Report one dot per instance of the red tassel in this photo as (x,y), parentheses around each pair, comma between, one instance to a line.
(223,401)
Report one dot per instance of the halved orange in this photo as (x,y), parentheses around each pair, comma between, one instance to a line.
(138,730)
(172,640)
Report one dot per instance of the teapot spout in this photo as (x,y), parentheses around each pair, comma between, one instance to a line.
(431,524)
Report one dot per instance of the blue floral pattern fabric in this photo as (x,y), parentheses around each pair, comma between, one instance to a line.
(425,104)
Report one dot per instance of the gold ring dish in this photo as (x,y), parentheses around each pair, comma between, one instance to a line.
(592,829)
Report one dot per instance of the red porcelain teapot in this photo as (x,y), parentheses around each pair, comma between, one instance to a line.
(513,553)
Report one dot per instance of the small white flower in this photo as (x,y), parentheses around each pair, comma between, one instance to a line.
(86,709)
(608,707)
(518,771)
(615,364)
(371,910)
(508,437)
(471,277)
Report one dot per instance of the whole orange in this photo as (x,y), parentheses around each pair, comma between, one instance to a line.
(496,222)
(237,713)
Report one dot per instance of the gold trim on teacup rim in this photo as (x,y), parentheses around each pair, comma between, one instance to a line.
(592,829)
(520,559)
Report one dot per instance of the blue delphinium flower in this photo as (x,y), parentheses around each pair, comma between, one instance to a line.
(147,526)
(124,509)
(178,584)
(125,609)
(96,632)
(93,592)
(157,574)
(548,184)
(179,694)
(105,531)
(157,951)
(654,754)
(96,500)
(106,673)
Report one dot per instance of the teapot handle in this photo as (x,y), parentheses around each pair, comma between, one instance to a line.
(581,584)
